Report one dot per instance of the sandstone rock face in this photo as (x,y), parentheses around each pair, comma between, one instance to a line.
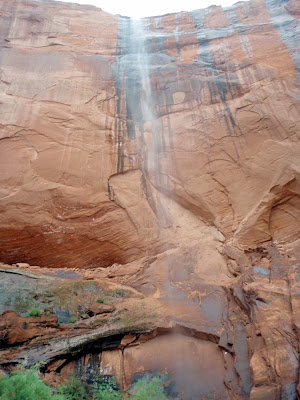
(159,160)
(16,329)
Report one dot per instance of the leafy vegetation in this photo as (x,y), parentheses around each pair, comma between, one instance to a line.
(148,388)
(74,389)
(34,312)
(26,385)
(107,392)
(73,319)
(101,301)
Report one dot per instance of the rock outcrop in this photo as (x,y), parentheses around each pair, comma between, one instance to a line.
(151,170)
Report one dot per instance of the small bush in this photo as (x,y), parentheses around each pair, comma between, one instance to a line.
(34,312)
(107,394)
(101,301)
(74,389)
(73,319)
(107,389)
(48,313)
(25,385)
(148,388)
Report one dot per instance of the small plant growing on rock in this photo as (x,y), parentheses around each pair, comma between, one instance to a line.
(34,312)
(101,301)
(107,393)
(74,389)
(48,313)
(148,388)
(107,389)
(73,319)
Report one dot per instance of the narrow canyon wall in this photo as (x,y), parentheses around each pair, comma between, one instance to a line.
(158,158)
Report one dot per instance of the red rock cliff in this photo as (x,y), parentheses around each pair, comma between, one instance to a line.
(166,151)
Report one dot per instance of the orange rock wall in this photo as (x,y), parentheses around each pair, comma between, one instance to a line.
(226,117)
(171,158)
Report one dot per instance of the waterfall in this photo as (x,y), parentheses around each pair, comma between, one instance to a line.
(135,66)
(141,42)
(143,64)
(142,48)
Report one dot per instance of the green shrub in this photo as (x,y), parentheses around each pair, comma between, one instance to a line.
(102,301)
(148,388)
(74,389)
(73,319)
(48,313)
(58,397)
(34,312)
(107,389)
(107,394)
(24,385)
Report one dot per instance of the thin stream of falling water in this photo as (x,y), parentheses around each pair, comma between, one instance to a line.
(152,168)
(143,65)
(147,102)
(153,150)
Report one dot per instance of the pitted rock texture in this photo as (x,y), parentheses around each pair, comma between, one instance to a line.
(157,159)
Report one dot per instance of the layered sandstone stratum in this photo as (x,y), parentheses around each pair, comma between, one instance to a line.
(153,164)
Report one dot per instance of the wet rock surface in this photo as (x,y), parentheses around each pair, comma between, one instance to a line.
(150,197)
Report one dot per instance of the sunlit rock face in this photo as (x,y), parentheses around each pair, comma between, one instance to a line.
(160,156)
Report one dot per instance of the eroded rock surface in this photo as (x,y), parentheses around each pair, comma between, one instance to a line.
(151,170)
